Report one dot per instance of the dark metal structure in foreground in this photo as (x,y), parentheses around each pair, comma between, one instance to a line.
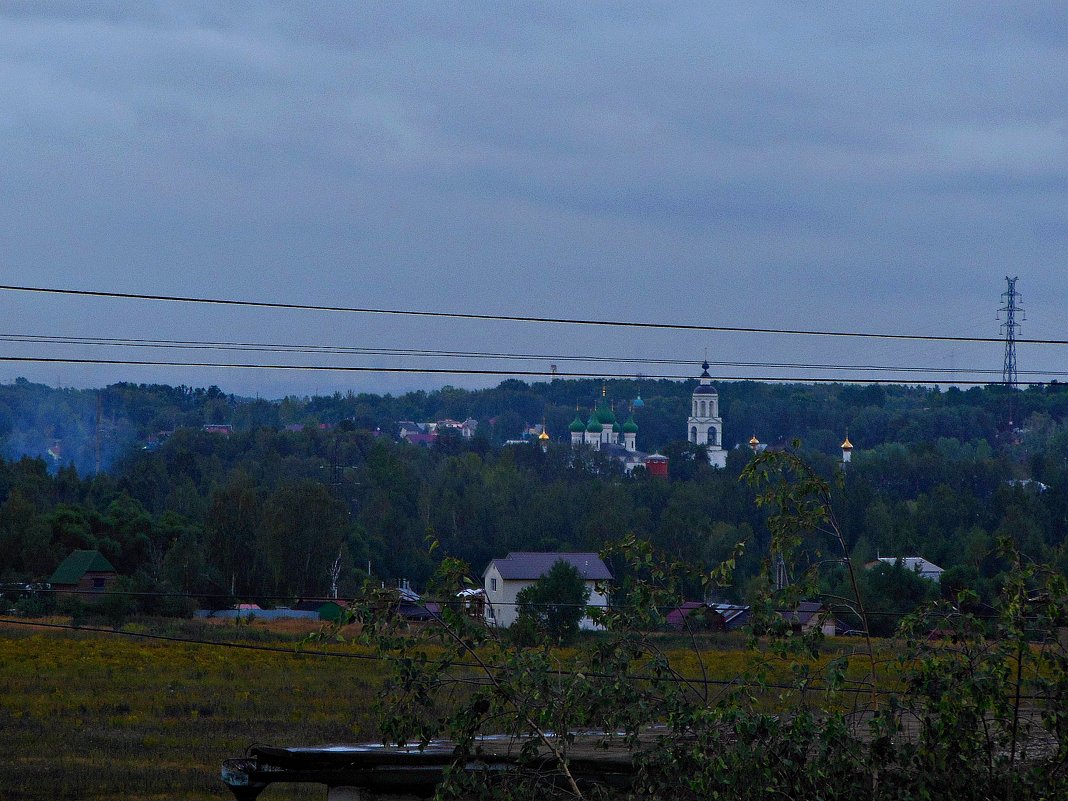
(373,771)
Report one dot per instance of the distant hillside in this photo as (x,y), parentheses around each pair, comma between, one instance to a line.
(92,428)
(263,510)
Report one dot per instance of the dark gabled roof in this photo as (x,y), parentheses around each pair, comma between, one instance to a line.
(77,564)
(677,617)
(421,439)
(735,615)
(413,610)
(530,565)
(805,611)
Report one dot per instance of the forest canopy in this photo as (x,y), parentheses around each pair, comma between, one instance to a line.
(267,510)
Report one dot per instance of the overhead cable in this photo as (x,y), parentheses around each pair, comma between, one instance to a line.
(488,668)
(505,373)
(310,349)
(512,318)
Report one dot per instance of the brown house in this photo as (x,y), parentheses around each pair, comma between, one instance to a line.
(809,615)
(83,573)
(696,616)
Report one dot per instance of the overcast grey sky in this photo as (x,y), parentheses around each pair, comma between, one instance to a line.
(875,167)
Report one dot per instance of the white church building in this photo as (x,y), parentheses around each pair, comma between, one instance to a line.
(603,432)
(705,426)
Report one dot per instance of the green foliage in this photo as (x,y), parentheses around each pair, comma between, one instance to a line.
(554,604)
(34,607)
(116,604)
(890,591)
(204,513)
(973,708)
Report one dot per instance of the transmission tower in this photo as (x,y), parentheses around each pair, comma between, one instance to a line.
(1009,328)
(782,578)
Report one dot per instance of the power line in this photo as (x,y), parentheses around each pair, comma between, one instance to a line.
(344,655)
(704,681)
(487,372)
(514,318)
(670,679)
(266,347)
(189,640)
(837,608)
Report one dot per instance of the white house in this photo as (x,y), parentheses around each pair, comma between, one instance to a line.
(917,564)
(504,578)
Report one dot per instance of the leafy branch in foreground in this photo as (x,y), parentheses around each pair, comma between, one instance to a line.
(799,502)
(972,708)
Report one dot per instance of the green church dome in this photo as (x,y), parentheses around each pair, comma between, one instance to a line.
(577,425)
(630,427)
(606,415)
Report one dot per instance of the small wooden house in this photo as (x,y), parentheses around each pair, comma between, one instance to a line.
(809,615)
(82,574)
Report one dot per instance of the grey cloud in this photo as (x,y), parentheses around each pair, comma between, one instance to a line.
(496,156)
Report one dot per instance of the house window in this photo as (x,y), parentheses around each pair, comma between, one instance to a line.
(493,585)
(98,584)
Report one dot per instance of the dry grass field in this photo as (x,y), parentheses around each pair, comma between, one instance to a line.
(97,716)
(87,715)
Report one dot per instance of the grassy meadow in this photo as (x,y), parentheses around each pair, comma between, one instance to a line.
(98,716)
(87,715)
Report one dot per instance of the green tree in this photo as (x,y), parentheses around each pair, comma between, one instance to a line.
(233,520)
(555,603)
(794,725)
(303,529)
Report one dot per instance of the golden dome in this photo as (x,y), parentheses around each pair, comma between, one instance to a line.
(847,445)
(753,441)
(543,436)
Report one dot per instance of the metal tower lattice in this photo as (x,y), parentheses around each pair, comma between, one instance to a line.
(1009,327)
(782,578)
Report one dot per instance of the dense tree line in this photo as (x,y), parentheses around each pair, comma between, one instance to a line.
(95,427)
(267,512)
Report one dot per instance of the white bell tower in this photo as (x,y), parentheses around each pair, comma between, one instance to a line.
(705,426)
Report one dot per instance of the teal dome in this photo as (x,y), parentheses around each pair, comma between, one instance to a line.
(577,425)
(638,402)
(615,428)
(594,427)
(630,427)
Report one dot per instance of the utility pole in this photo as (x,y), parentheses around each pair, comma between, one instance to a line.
(1009,328)
(335,469)
(96,434)
(782,578)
